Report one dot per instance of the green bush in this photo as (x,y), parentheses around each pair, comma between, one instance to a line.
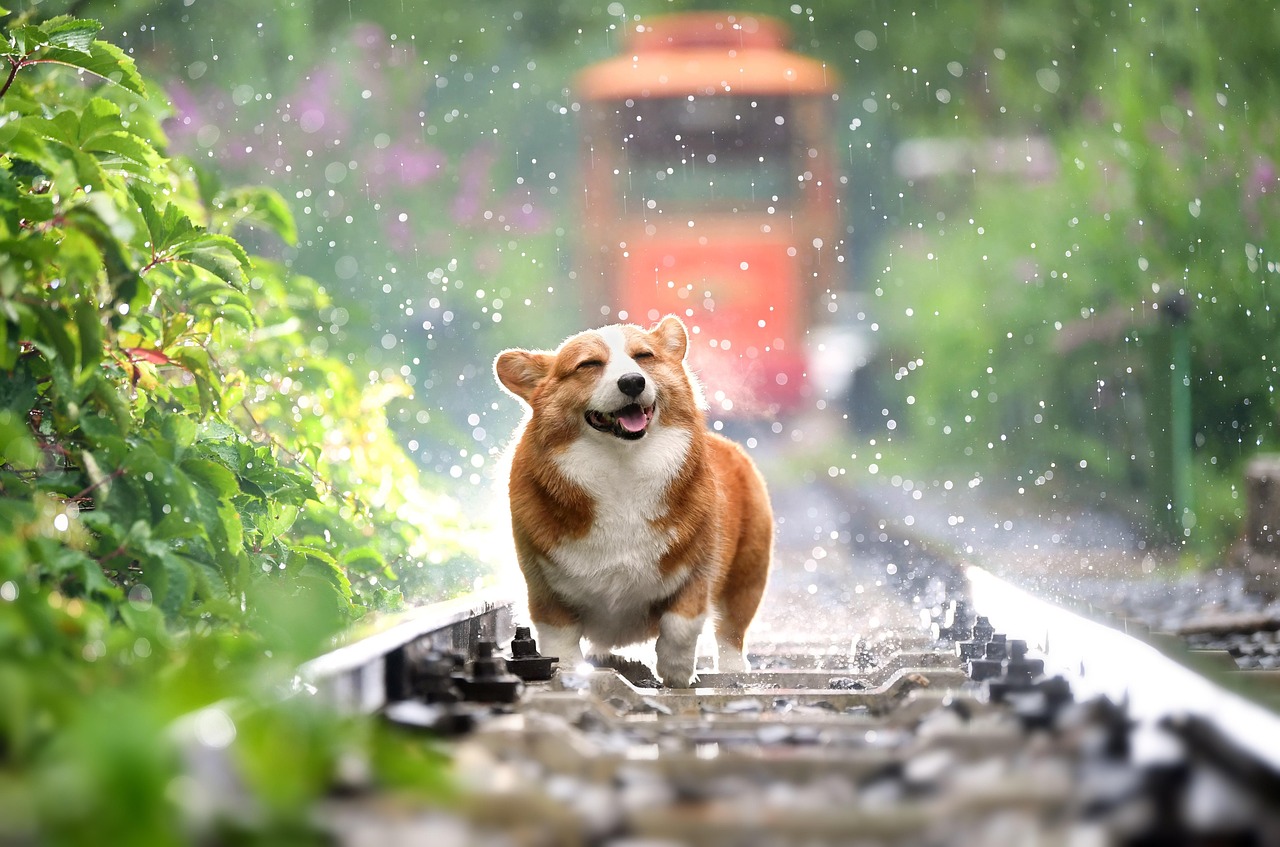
(192,496)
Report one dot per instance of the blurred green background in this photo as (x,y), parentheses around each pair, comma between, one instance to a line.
(1033,190)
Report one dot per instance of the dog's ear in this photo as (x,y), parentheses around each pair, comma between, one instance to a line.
(671,336)
(522,371)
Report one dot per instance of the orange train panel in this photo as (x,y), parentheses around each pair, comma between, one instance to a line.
(704,71)
(705,53)
(707,29)
(734,294)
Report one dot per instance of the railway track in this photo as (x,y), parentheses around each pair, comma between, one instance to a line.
(842,738)
(898,696)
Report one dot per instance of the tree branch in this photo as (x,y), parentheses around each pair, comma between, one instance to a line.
(14,65)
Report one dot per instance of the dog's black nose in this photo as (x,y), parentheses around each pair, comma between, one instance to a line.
(631,384)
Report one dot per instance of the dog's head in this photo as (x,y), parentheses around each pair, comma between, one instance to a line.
(617,381)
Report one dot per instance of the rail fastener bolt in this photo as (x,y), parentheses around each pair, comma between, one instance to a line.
(955,626)
(489,681)
(431,678)
(974,647)
(991,663)
(1017,672)
(526,662)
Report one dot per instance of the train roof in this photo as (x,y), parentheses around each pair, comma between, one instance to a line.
(705,53)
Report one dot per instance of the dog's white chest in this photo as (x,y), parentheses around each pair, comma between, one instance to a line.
(612,571)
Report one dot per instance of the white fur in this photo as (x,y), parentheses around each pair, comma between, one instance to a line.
(563,642)
(677,648)
(611,574)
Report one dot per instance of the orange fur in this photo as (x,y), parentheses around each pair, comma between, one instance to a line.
(621,536)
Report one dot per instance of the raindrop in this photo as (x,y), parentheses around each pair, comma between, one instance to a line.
(1048,79)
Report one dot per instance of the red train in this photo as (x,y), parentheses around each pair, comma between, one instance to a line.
(710,192)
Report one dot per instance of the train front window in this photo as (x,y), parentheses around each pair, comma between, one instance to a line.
(717,152)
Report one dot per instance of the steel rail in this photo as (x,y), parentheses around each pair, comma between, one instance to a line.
(1099,660)
(365,673)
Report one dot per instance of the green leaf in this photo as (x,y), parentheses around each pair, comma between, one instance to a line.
(54,340)
(179,433)
(98,428)
(217,479)
(104,60)
(89,328)
(101,482)
(180,581)
(275,521)
(167,489)
(64,127)
(210,253)
(8,344)
(18,392)
(232,526)
(320,564)
(9,220)
(194,359)
(98,116)
(175,238)
(17,447)
(25,39)
(218,431)
(284,485)
(260,206)
(20,141)
(78,258)
(366,560)
(122,149)
(100,219)
(66,561)
(150,216)
(110,401)
(215,293)
(71,33)
(237,315)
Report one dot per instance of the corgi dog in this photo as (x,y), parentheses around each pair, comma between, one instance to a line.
(631,519)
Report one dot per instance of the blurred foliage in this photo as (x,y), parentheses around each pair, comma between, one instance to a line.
(1040,308)
(428,153)
(192,498)
(438,180)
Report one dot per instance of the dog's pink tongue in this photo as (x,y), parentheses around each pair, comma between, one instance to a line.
(632,419)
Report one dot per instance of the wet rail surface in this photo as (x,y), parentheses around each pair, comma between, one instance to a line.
(897,697)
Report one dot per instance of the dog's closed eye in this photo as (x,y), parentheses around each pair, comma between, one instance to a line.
(590,363)
(642,354)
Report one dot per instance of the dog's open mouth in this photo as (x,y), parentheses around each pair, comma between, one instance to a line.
(629,422)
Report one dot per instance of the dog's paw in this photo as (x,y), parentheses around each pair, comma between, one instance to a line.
(677,675)
(675,682)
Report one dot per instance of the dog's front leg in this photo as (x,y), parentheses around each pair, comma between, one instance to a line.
(563,642)
(678,631)
(558,626)
(677,648)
